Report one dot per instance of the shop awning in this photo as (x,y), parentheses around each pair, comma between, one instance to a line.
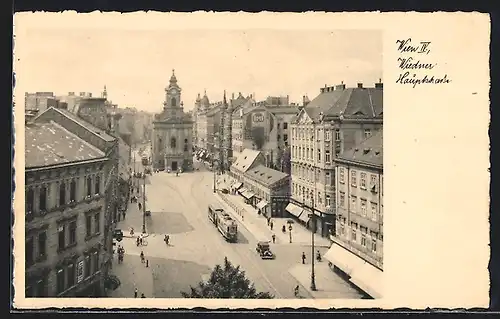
(344,259)
(305,216)
(242,190)
(369,279)
(237,185)
(262,204)
(248,194)
(294,209)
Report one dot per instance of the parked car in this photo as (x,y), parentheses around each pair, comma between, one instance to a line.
(118,234)
(225,191)
(264,250)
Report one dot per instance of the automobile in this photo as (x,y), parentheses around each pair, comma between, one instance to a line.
(147,171)
(225,191)
(169,170)
(118,234)
(264,250)
(148,213)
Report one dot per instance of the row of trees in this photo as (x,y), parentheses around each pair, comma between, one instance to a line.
(227,282)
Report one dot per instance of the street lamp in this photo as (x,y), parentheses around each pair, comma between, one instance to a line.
(313,221)
(144,204)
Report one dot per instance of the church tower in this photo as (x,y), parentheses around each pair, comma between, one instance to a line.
(172,105)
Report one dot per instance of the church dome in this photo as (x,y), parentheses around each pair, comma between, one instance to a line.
(173,78)
(205,101)
(198,98)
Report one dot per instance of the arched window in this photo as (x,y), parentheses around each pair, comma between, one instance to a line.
(173,102)
(173,143)
(89,186)
(97,184)
(72,190)
(186,145)
(62,193)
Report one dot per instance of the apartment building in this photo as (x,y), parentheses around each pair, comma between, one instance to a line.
(336,120)
(357,247)
(65,211)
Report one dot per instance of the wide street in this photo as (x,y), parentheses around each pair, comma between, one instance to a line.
(178,206)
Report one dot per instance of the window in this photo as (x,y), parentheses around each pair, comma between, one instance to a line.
(62,194)
(353,178)
(328,178)
(29,251)
(72,232)
(363,240)
(43,198)
(278,125)
(173,143)
(342,199)
(30,199)
(319,155)
(337,135)
(186,145)
(97,184)
(285,127)
(327,135)
(88,225)
(328,200)
(97,223)
(72,190)
(317,135)
(60,280)
(354,199)
(278,137)
(368,133)
(374,244)
(61,236)
(363,207)
(89,186)
(173,102)
(320,199)
(342,229)
(363,180)
(42,244)
(353,234)
(327,157)
(96,262)
(374,211)
(373,179)
(341,175)
(71,274)
(285,137)
(87,266)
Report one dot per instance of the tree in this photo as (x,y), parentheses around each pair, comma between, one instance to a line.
(226,282)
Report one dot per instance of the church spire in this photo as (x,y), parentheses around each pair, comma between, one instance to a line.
(105,92)
(173,79)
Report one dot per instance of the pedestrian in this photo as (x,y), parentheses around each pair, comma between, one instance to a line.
(142,256)
(271,224)
(303,258)
(274,238)
(139,206)
(138,241)
(147,263)
(135,293)
(142,296)
(268,219)
(123,215)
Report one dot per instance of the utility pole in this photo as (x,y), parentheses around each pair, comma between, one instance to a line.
(144,205)
(313,220)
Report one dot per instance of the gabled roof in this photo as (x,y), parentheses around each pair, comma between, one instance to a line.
(369,151)
(266,175)
(246,159)
(48,143)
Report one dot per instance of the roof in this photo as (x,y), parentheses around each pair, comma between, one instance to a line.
(351,102)
(284,110)
(248,104)
(246,159)
(266,175)
(50,144)
(369,151)
(102,134)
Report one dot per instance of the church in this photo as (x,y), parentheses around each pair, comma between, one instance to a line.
(172,132)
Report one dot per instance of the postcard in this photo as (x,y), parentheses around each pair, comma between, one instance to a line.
(251,160)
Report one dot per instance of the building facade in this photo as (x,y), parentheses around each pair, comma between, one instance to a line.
(334,121)
(358,240)
(172,131)
(40,101)
(65,245)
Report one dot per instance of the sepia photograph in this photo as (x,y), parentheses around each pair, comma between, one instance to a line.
(194,164)
(172,174)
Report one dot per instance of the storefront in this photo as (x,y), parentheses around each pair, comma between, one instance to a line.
(361,273)
(295,211)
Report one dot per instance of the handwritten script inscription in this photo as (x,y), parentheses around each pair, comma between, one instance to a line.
(415,66)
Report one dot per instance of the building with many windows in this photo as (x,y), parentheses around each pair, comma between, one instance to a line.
(357,247)
(334,121)
(65,248)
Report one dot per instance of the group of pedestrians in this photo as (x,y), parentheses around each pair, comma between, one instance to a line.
(136,293)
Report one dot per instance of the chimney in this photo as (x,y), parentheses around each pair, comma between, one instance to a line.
(340,86)
(251,96)
(71,93)
(322,90)
(232,96)
(360,85)
(89,94)
(82,94)
(379,85)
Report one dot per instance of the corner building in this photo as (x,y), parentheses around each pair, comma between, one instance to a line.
(65,214)
(172,132)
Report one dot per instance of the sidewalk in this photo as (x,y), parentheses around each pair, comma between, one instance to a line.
(329,285)
(257,224)
(133,218)
(132,274)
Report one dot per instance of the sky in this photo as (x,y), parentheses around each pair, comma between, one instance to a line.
(136,64)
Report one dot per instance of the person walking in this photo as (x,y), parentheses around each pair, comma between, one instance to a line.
(136,292)
(142,295)
(138,241)
(274,238)
(271,224)
(142,256)
(303,258)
